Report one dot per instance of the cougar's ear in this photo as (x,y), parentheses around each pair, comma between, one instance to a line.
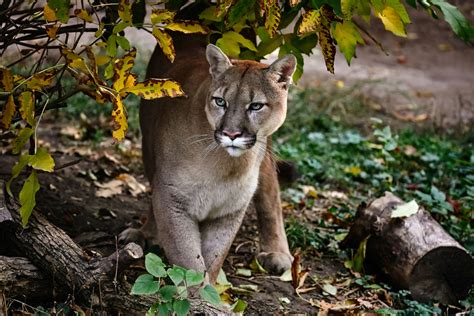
(284,68)
(218,61)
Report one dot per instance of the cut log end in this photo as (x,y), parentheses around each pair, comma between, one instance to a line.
(444,274)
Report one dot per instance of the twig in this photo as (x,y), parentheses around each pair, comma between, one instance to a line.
(68,164)
(371,37)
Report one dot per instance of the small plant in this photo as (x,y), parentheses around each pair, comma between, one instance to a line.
(172,297)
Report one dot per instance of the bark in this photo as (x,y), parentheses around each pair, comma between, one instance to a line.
(22,280)
(91,279)
(414,252)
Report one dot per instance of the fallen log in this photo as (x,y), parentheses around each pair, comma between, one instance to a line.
(21,279)
(90,279)
(413,252)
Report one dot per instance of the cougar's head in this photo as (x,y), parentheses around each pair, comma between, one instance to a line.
(247,99)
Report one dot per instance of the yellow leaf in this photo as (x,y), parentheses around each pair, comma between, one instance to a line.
(347,36)
(187,27)
(392,21)
(83,15)
(161,16)
(240,39)
(52,30)
(8,112)
(41,79)
(131,81)
(49,14)
(6,79)
(119,116)
(355,171)
(327,47)
(20,141)
(27,197)
(42,160)
(223,6)
(102,60)
(122,68)
(309,23)
(27,107)
(124,11)
(347,8)
(272,18)
(294,3)
(155,88)
(166,43)
(230,47)
(400,9)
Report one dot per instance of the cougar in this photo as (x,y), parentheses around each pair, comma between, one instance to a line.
(208,159)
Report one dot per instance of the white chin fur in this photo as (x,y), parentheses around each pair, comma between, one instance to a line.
(234,151)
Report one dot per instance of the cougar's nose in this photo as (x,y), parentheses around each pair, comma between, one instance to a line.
(231,134)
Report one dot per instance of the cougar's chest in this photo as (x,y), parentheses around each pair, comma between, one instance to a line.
(216,197)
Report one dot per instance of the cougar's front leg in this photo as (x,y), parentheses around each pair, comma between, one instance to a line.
(177,233)
(275,254)
(217,237)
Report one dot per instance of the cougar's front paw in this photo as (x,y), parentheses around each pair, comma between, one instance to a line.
(132,235)
(275,262)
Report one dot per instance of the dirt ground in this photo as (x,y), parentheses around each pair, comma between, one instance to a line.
(431,72)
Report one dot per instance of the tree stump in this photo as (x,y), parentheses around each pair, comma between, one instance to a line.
(413,252)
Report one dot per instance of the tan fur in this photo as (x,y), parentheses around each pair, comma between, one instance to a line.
(201,190)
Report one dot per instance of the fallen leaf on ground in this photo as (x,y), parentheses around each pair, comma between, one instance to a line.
(134,187)
(109,189)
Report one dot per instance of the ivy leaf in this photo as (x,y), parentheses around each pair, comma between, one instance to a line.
(154,88)
(154,265)
(347,36)
(392,21)
(145,284)
(210,294)
(176,274)
(405,210)
(309,23)
(60,8)
(119,116)
(42,160)
(27,107)
(28,197)
(181,307)
(460,25)
(166,43)
(187,27)
(194,278)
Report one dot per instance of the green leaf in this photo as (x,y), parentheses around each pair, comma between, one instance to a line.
(210,294)
(176,274)
(165,309)
(347,8)
(210,14)
(123,43)
(120,27)
(145,284)
(167,292)
(240,39)
(17,168)
(194,277)
(437,194)
(267,47)
(230,47)
(42,160)
(23,136)
(240,10)
(61,8)
(347,36)
(28,197)
(112,46)
(459,24)
(154,265)
(400,9)
(181,307)
(405,210)
(239,306)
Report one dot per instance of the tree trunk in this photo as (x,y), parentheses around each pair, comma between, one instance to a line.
(90,279)
(414,252)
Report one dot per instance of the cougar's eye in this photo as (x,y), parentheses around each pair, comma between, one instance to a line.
(219,102)
(256,106)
